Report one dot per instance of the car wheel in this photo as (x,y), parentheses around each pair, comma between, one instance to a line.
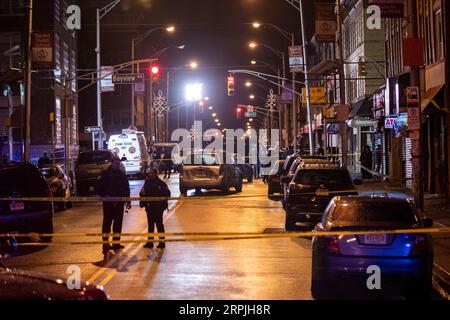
(290,223)
(47,228)
(250,177)
(270,192)
(183,190)
(226,187)
(239,186)
(319,289)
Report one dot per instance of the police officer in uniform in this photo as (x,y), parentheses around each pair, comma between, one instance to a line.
(155,187)
(113,182)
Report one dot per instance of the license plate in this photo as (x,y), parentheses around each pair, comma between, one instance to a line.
(322,192)
(16,206)
(375,239)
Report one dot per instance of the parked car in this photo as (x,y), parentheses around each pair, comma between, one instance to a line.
(311,189)
(274,182)
(89,167)
(59,183)
(23,179)
(27,285)
(204,171)
(340,263)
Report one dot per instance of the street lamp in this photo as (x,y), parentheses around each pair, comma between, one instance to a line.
(214,115)
(194,92)
(248,84)
(252,97)
(100,14)
(193,64)
(210,108)
(134,42)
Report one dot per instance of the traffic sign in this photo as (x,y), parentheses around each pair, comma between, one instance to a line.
(127,78)
(250,114)
(412,96)
(92,129)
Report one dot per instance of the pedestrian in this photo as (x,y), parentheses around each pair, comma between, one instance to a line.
(378,158)
(289,151)
(366,162)
(168,165)
(113,182)
(154,187)
(320,150)
(44,159)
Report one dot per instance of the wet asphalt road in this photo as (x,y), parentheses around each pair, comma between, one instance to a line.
(221,269)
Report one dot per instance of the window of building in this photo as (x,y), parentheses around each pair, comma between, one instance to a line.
(58,126)
(65,67)
(74,125)
(438,34)
(57,71)
(58,10)
(73,69)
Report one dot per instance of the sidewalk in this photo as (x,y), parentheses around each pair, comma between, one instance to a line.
(434,207)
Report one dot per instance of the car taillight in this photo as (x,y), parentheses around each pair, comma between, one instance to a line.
(330,244)
(419,246)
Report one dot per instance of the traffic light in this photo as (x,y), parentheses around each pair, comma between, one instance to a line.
(154,72)
(231,86)
(239,111)
(362,71)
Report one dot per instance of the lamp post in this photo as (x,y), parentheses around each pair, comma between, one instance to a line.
(134,42)
(100,14)
(290,37)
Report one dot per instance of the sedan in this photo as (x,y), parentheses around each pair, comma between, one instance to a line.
(342,265)
(59,183)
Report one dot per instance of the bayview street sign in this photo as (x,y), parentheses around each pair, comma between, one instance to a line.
(127,78)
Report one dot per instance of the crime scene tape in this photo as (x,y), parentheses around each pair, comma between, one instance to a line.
(208,236)
(318,192)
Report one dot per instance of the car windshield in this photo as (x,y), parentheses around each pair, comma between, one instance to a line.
(329,178)
(372,213)
(49,172)
(94,157)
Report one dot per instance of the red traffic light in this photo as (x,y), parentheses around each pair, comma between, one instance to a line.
(239,109)
(154,70)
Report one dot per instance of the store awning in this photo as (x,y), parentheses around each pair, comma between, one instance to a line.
(362,108)
(324,67)
(428,104)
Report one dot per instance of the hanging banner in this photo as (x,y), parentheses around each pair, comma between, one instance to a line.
(325,21)
(317,96)
(296,58)
(42,52)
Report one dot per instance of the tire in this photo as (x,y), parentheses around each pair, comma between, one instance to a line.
(226,187)
(290,223)
(47,228)
(239,186)
(319,288)
(250,177)
(270,192)
(183,190)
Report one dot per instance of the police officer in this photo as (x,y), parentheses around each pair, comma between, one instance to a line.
(155,187)
(113,182)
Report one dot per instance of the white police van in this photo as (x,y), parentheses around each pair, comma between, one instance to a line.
(132,145)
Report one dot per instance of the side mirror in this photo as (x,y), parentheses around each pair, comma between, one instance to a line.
(428,222)
(357,182)
(124,159)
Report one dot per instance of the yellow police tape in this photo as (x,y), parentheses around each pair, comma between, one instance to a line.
(319,192)
(208,236)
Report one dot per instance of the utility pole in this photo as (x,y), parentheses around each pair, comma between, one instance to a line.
(28,83)
(342,100)
(294,107)
(308,98)
(99,85)
(416,144)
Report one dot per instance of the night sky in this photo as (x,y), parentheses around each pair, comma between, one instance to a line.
(215,32)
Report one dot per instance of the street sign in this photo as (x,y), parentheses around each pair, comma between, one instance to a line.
(250,114)
(412,96)
(42,56)
(106,79)
(413,118)
(92,129)
(333,127)
(317,96)
(325,21)
(296,58)
(389,8)
(127,78)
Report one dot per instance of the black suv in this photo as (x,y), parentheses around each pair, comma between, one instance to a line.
(24,180)
(310,191)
